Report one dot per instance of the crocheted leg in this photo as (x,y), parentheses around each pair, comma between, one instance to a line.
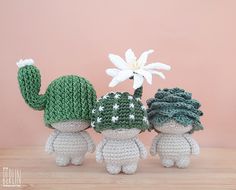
(167,162)
(62,160)
(113,168)
(77,160)
(183,162)
(130,168)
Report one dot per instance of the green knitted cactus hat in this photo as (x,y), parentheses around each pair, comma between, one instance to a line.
(119,110)
(66,98)
(174,104)
(122,110)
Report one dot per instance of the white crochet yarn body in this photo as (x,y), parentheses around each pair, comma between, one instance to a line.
(120,149)
(69,142)
(174,144)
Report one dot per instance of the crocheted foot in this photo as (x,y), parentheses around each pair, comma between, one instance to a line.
(113,168)
(130,168)
(183,162)
(167,162)
(78,160)
(62,160)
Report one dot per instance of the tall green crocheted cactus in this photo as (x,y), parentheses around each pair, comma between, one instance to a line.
(120,110)
(174,104)
(66,98)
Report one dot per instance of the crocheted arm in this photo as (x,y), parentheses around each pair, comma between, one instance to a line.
(153,149)
(49,145)
(91,145)
(29,80)
(195,150)
(142,149)
(99,156)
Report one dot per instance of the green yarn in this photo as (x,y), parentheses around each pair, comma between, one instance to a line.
(138,92)
(66,98)
(127,109)
(174,104)
(30,82)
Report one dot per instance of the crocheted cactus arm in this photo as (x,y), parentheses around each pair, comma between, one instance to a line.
(138,92)
(29,80)
(174,104)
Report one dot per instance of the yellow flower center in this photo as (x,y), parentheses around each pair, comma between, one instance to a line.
(134,65)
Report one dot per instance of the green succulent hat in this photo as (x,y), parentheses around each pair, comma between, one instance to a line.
(174,104)
(66,98)
(119,110)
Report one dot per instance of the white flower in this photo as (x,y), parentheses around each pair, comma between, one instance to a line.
(130,97)
(101,108)
(93,111)
(117,96)
(133,67)
(93,124)
(115,106)
(114,118)
(131,116)
(131,105)
(99,119)
(24,62)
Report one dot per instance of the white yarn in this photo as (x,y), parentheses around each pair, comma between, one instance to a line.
(24,62)
(174,145)
(69,142)
(120,149)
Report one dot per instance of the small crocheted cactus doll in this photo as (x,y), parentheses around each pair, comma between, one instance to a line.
(175,116)
(120,117)
(67,105)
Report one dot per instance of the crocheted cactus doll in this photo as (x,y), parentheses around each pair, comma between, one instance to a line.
(120,117)
(67,105)
(175,116)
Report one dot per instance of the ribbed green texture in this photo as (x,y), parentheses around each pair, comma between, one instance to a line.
(66,98)
(123,112)
(174,104)
(138,92)
(30,82)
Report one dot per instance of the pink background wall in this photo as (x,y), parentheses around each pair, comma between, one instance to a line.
(197,38)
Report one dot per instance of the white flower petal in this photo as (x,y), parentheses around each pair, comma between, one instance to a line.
(112,72)
(143,58)
(147,75)
(118,61)
(130,56)
(160,74)
(24,62)
(138,81)
(122,76)
(114,82)
(161,66)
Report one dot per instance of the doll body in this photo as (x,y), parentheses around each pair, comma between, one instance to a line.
(67,104)
(120,117)
(120,150)
(69,142)
(174,145)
